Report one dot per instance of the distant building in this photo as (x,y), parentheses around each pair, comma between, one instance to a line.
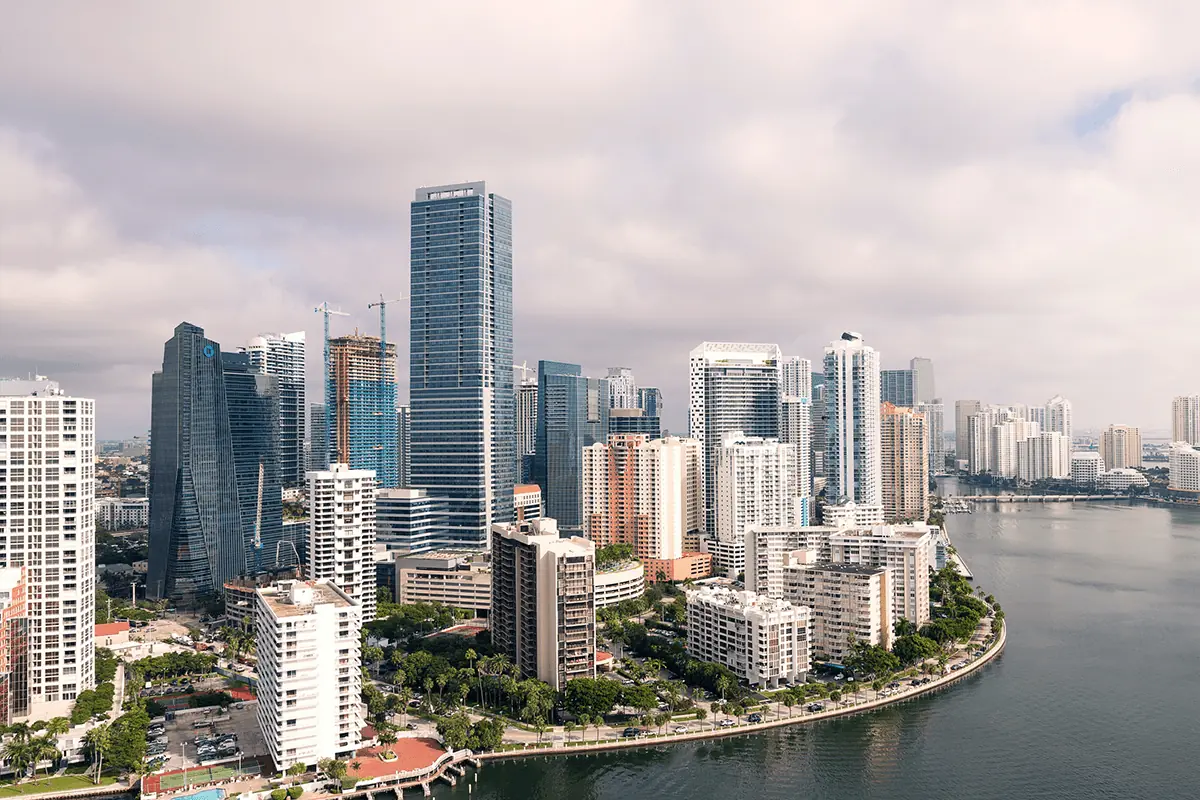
(1060,418)
(963,410)
(796,377)
(122,513)
(852,515)
(896,387)
(650,401)
(852,455)
(924,388)
(1185,419)
(622,388)
(527,502)
(1121,479)
(410,521)
(935,434)
(1121,446)
(282,355)
(849,603)
(404,445)
(795,427)
(362,380)
(572,414)
(905,464)
(318,438)
(633,420)
(1086,467)
(456,578)
(543,601)
(1184,470)
(307,639)
(1040,457)
(527,405)
(341,539)
(763,641)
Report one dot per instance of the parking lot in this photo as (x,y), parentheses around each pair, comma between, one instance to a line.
(182,732)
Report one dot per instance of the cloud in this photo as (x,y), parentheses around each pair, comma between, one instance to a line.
(1004,189)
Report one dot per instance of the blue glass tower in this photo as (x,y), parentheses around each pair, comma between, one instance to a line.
(572,414)
(460,372)
(362,379)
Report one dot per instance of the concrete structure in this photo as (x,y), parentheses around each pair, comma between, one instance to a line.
(572,415)
(935,434)
(341,537)
(241,604)
(1121,446)
(633,420)
(847,602)
(362,382)
(853,462)
(307,640)
(456,578)
(907,551)
(47,527)
(622,388)
(646,494)
(796,378)
(763,641)
(464,431)
(410,521)
(1040,457)
(1121,479)
(1086,467)
(733,387)
(1185,419)
(795,427)
(282,355)
(543,601)
(527,501)
(770,548)
(924,387)
(122,513)
(905,458)
(526,423)
(1184,470)
(618,583)
(851,515)
(14,646)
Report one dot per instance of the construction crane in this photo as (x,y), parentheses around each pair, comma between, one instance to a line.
(384,394)
(326,310)
(258,523)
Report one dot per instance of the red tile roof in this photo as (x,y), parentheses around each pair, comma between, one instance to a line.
(111,628)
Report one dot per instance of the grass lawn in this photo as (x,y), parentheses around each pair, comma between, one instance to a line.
(62,783)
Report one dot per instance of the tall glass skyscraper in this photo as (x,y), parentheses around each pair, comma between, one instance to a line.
(572,414)
(897,387)
(318,438)
(197,541)
(365,426)
(282,355)
(461,393)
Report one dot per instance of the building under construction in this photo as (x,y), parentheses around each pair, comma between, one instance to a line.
(363,384)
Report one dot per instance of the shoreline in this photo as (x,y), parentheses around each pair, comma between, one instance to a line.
(741,729)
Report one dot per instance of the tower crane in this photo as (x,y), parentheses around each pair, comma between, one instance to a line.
(326,310)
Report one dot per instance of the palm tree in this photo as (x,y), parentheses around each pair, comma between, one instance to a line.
(387,739)
(788,700)
(428,694)
(99,741)
(18,753)
(701,713)
(835,696)
(877,686)
(58,726)
(567,728)
(942,660)
(43,748)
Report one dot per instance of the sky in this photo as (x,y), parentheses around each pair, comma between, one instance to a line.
(1006,188)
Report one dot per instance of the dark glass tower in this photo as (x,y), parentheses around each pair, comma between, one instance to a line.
(460,372)
(197,540)
(572,414)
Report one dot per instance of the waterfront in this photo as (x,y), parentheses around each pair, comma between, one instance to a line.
(1096,695)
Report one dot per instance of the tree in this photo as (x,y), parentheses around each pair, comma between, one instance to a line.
(877,686)
(296,769)
(700,715)
(98,742)
(866,659)
(43,748)
(387,739)
(835,696)
(568,727)
(789,700)
(591,696)
(334,769)
(912,648)
(640,697)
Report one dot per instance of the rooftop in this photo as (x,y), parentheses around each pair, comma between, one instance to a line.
(295,598)
(848,569)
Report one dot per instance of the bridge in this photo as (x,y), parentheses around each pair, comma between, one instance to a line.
(1033,498)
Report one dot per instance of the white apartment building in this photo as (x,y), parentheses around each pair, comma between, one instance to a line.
(543,601)
(795,427)
(122,513)
(796,377)
(770,548)
(307,639)
(1121,446)
(1184,469)
(459,579)
(847,602)
(1185,419)
(935,435)
(908,551)
(905,459)
(1086,467)
(851,515)
(1121,479)
(1005,442)
(1041,457)
(619,583)
(341,532)
(762,640)
(622,388)
(853,462)
(47,526)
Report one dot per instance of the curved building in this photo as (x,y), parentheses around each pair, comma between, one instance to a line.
(621,582)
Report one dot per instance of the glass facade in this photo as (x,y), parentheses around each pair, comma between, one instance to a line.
(651,426)
(197,540)
(572,414)
(362,377)
(461,394)
(650,401)
(318,438)
(896,387)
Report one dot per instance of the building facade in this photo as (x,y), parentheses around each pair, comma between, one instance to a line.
(14,646)
(622,388)
(404,446)
(527,502)
(318,438)
(1122,479)
(905,464)
(896,387)
(460,371)
(1086,467)
(619,582)
(853,463)
(763,641)
(572,414)
(1040,457)
(795,427)
(307,640)
(48,529)
(543,601)
(963,410)
(527,405)
(650,401)
(796,377)
(924,388)
(282,355)
(633,420)
(935,434)
(409,520)
(771,548)
(456,578)
(362,383)
(122,513)
(906,551)
(341,533)
(848,602)
(1121,446)
(1184,470)
(1185,419)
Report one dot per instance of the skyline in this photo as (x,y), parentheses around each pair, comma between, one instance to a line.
(1027,186)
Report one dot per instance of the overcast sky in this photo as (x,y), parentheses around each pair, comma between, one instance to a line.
(1006,188)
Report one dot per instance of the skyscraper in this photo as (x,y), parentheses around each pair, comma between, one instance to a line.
(282,355)
(404,448)
(1059,418)
(197,539)
(896,387)
(461,368)
(527,403)
(905,464)
(852,453)
(341,532)
(734,387)
(363,379)
(318,438)
(1121,446)
(47,527)
(572,414)
(963,409)
(935,434)
(796,377)
(633,420)
(795,427)
(924,390)
(1185,419)
(622,388)
(650,401)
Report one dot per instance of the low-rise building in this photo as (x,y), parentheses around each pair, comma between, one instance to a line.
(307,640)
(456,578)
(848,602)
(619,582)
(1121,479)
(122,513)
(688,567)
(851,515)
(762,640)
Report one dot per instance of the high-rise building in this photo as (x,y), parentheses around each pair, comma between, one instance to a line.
(650,401)
(318,438)
(622,388)
(363,382)
(463,402)
(820,434)
(763,641)
(963,409)
(1185,419)
(282,355)
(796,377)
(905,551)
(341,532)
(770,549)
(646,493)
(1086,467)
(849,603)
(1004,440)
(308,643)
(404,445)
(47,527)
(1040,457)
(795,427)
(409,520)
(1059,418)
(733,387)
(924,389)
(197,531)
(527,405)
(633,420)
(1184,470)
(1121,446)
(896,387)
(905,464)
(14,646)
(935,435)
(252,400)
(852,454)
(572,414)
(543,601)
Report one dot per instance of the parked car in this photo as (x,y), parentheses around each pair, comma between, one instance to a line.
(679,729)
(754,718)
(727,723)
(631,733)
(814,707)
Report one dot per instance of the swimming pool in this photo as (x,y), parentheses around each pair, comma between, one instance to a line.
(207,794)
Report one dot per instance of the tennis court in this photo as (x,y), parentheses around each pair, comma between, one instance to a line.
(170,781)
